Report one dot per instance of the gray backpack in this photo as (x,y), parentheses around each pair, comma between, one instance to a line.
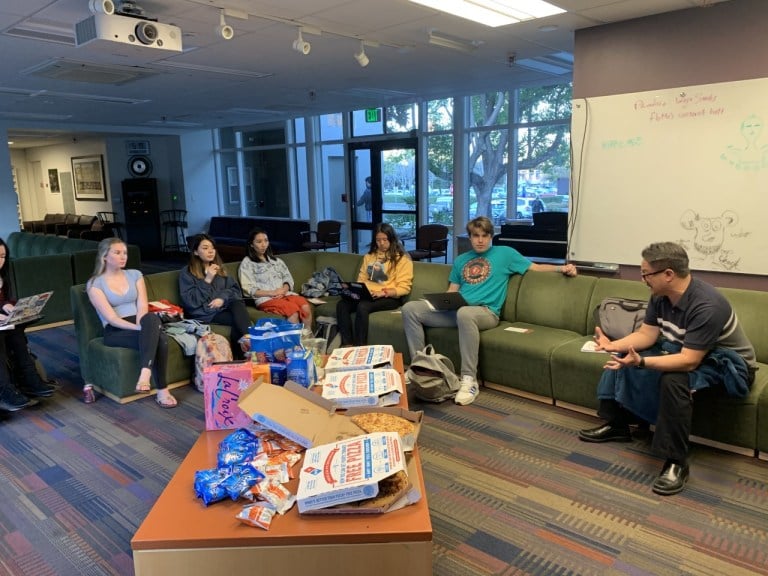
(432,376)
(619,317)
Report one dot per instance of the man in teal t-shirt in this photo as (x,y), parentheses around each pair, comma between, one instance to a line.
(481,276)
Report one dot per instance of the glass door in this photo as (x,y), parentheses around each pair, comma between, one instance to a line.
(384,189)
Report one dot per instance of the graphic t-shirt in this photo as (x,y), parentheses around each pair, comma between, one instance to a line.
(483,278)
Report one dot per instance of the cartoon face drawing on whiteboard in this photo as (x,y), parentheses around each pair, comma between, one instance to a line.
(709,233)
(752,156)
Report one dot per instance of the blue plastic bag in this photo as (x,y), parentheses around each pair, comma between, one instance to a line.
(272,340)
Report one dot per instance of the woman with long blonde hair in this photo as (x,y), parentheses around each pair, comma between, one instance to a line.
(120,299)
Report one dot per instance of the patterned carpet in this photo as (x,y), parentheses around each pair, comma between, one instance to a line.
(510,488)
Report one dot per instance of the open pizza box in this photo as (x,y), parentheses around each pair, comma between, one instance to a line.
(413,416)
(363,475)
(297,413)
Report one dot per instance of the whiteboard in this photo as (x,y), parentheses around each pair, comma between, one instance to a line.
(688,165)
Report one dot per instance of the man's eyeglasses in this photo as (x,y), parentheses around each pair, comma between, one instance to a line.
(644,276)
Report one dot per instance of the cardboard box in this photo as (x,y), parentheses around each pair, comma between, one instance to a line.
(222,386)
(296,413)
(413,416)
(381,387)
(349,470)
(390,504)
(361,358)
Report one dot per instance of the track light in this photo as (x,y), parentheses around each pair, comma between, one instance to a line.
(300,45)
(101,7)
(224,30)
(362,57)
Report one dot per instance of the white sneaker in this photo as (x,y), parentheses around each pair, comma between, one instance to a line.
(468,391)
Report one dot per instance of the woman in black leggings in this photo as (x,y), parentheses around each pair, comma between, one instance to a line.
(120,299)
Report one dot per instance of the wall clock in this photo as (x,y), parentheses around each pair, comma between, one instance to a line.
(140,166)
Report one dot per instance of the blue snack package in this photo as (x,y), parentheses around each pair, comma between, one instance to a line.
(241,479)
(208,485)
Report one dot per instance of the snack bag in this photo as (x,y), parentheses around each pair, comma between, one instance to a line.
(272,339)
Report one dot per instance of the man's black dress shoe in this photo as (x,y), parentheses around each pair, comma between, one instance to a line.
(672,479)
(606,433)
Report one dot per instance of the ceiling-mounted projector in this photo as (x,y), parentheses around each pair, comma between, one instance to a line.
(128,30)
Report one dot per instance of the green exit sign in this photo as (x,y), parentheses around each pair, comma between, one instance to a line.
(373,115)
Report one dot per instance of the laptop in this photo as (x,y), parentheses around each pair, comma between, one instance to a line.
(445,300)
(27,309)
(356,291)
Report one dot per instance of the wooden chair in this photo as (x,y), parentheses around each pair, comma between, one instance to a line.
(327,235)
(431,242)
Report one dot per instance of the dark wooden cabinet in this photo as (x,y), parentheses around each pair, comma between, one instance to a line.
(142,215)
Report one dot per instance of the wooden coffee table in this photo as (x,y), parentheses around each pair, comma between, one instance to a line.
(182,536)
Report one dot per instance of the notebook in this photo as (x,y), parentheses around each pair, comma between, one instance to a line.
(445,300)
(356,291)
(27,309)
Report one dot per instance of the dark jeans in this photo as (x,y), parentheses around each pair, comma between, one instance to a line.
(14,351)
(151,342)
(362,309)
(235,316)
(673,424)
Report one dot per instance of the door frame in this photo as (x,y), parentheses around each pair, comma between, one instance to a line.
(376,148)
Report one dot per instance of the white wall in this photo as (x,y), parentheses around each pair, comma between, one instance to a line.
(200,185)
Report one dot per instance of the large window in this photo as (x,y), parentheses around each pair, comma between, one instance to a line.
(512,178)
(516,145)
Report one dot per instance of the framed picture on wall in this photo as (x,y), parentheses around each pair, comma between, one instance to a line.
(88,177)
(53,180)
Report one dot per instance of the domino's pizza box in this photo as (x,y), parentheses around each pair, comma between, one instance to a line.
(296,413)
(372,420)
(382,502)
(361,358)
(381,387)
(351,470)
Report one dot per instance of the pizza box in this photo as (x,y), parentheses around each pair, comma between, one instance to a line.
(361,358)
(296,413)
(413,416)
(381,503)
(350,470)
(379,387)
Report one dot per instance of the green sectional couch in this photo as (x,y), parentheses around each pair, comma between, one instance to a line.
(41,262)
(544,362)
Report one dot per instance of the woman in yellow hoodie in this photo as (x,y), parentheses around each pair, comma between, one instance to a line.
(387,271)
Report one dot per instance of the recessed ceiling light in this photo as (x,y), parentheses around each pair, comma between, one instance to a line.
(548,28)
(494,13)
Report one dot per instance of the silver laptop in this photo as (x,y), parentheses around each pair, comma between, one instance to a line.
(445,300)
(27,309)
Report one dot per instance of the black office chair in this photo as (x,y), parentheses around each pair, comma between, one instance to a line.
(431,242)
(174,224)
(327,235)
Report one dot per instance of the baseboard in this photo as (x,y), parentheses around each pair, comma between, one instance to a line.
(132,397)
(516,392)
